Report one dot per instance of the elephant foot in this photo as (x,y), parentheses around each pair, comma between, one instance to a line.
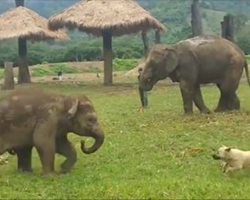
(188,111)
(66,168)
(205,111)
(26,170)
(51,174)
(220,109)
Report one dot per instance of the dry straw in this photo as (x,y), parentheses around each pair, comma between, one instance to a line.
(94,16)
(22,22)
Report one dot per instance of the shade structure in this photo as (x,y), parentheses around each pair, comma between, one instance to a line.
(106,18)
(23,23)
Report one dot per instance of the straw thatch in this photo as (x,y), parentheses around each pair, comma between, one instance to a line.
(22,22)
(94,16)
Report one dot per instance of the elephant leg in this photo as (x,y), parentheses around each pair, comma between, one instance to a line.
(228,99)
(187,93)
(24,159)
(198,100)
(65,148)
(44,141)
(233,102)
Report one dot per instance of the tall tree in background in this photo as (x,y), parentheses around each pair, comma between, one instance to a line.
(227,27)
(23,72)
(196,20)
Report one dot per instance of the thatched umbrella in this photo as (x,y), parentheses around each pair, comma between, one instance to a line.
(23,23)
(106,18)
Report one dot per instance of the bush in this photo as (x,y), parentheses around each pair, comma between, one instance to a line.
(55,68)
(40,72)
(244,44)
(124,64)
(248,59)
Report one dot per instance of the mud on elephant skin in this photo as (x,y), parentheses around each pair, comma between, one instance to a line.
(43,120)
(198,60)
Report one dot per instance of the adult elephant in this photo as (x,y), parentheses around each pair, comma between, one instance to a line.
(198,60)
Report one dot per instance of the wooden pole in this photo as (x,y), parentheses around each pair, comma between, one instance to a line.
(223,29)
(8,76)
(19,3)
(227,27)
(157,37)
(145,43)
(108,57)
(23,72)
(196,20)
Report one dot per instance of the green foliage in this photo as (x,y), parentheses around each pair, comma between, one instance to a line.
(38,71)
(1,73)
(156,154)
(63,68)
(124,64)
(248,59)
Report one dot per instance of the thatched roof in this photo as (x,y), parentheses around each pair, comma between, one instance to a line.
(22,22)
(94,16)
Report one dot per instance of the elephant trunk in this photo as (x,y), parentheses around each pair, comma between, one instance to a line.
(99,139)
(145,84)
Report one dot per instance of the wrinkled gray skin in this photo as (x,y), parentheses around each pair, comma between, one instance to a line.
(35,119)
(195,61)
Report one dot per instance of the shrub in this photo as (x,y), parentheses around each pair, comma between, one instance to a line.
(40,72)
(248,59)
(124,64)
(63,68)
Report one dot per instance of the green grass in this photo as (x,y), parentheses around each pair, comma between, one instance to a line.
(248,59)
(124,64)
(146,155)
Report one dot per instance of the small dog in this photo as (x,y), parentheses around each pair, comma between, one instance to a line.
(233,159)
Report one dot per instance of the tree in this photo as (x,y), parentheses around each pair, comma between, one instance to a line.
(23,73)
(196,18)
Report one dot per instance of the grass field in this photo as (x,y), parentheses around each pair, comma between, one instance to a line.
(156,154)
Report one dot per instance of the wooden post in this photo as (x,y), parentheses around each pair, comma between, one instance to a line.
(19,3)
(227,27)
(145,43)
(196,20)
(23,72)
(8,76)
(157,37)
(108,57)
(223,30)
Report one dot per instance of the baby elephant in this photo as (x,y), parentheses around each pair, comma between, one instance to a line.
(42,120)
(233,159)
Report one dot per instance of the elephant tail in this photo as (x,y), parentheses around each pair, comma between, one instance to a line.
(247,72)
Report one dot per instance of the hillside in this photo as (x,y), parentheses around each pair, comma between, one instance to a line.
(175,14)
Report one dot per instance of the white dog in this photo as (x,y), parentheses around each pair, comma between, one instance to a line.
(233,159)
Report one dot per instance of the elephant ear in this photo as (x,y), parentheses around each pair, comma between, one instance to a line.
(72,111)
(171,60)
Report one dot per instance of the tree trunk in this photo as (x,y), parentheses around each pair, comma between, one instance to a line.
(23,73)
(145,43)
(19,3)
(8,76)
(196,20)
(157,37)
(108,57)
(227,27)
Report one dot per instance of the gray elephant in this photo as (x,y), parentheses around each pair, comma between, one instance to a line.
(198,60)
(42,120)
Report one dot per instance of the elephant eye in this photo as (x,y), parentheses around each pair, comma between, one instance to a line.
(91,120)
(149,80)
